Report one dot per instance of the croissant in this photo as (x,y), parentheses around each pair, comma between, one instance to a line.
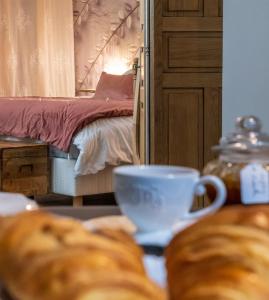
(222,257)
(49,258)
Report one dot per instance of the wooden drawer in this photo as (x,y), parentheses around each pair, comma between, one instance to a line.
(37,151)
(31,186)
(24,169)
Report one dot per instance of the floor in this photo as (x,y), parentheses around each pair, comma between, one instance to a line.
(58,200)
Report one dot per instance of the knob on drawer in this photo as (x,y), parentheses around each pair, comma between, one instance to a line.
(26,169)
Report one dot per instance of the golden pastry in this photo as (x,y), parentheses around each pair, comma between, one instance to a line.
(222,257)
(49,258)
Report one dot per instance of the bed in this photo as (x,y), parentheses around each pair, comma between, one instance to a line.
(82,161)
(110,143)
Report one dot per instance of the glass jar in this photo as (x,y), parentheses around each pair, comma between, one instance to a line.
(243,163)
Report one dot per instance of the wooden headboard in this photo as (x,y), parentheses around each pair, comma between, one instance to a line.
(136,114)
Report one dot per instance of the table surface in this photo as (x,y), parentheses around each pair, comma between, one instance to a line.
(85,212)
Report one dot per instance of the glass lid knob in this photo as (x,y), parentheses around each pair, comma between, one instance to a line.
(248,124)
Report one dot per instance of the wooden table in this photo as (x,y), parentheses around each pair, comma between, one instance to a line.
(85,212)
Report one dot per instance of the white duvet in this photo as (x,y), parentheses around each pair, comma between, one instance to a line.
(105,141)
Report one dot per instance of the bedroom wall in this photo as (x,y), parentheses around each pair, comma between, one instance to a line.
(246,61)
(36,48)
(103,22)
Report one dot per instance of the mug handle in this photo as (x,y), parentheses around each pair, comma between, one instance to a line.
(218,202)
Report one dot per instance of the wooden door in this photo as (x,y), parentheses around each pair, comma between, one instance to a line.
(186,75)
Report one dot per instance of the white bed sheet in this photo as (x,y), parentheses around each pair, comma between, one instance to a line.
(105,141)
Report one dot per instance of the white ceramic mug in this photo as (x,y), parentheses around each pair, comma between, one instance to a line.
(157,197)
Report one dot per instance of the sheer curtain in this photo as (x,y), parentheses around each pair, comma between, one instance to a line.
(36,48)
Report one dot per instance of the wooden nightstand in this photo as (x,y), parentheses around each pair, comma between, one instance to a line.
(24,168)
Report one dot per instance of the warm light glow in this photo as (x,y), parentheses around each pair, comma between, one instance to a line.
(116,66)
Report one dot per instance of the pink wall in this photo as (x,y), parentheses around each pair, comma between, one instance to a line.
(114,23)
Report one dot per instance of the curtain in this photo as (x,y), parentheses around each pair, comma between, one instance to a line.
(36,48)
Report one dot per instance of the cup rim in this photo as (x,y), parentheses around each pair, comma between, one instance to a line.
(178,171)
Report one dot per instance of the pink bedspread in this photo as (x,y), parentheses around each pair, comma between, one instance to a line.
(55,120)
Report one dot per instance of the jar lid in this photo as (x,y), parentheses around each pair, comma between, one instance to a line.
(247,138)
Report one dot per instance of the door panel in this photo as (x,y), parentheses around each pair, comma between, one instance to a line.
(193,52)
(185,107)
(192,8)
(212,8)
(186,77)
(183,7)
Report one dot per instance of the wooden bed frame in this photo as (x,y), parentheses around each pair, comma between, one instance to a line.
(63,179)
